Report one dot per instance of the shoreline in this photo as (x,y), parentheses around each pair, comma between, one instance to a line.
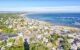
(41,32)
(23,15)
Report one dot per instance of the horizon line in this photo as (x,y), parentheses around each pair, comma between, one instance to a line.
(44,9)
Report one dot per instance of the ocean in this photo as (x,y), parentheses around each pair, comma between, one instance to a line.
(66,19)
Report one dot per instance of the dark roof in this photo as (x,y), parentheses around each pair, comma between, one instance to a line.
(12,35)
(4,36)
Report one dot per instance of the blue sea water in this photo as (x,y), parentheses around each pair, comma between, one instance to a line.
(66,19)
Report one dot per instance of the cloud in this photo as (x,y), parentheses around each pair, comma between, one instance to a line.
(54,9)
(44,9)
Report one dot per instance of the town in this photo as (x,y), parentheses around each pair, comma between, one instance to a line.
(18,32)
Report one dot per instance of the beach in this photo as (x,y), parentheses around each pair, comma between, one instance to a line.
(61,26)
(38,33)
(39,25)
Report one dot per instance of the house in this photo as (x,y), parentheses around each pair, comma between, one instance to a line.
(70,40)
(73,47)
(20,34)
(39,37)
(9,44)
(12,35)
(45,40)
(3,36)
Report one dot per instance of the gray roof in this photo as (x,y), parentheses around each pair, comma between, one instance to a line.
(4,36)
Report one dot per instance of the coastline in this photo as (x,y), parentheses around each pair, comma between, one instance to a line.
(41,32)
(59,26)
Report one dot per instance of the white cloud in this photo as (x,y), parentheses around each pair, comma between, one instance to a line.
(54,9)
(44,9)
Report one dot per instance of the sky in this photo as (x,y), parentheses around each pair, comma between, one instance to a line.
(40,5)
